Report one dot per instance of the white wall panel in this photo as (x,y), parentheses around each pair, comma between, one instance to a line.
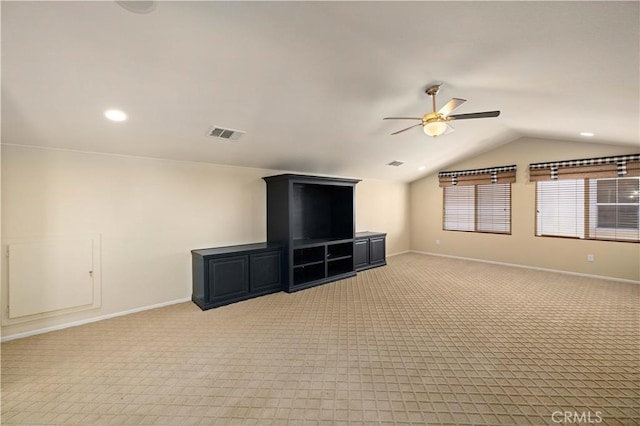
(49,276)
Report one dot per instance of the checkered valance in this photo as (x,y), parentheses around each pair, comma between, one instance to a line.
(588,168)
(502,174)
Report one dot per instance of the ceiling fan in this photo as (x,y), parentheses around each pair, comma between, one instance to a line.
(436,123)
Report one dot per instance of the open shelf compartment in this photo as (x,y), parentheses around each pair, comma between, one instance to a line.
(308,256)
(339,251)
(305,274)
(339,267)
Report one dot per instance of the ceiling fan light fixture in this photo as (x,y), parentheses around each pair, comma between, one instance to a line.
(435,128)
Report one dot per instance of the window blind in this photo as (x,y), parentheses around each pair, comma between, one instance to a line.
(459,208)
(589,198)
(493,212)
(559,208)
(478,200)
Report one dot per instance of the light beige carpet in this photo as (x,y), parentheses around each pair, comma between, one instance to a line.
(424,340)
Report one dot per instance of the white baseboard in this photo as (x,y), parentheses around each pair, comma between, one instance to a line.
(400,252)
(90,320)
(601,277)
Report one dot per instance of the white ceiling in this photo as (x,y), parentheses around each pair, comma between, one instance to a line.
(311,81)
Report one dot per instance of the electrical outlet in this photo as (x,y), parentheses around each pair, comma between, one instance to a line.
(589,258)
(437,242)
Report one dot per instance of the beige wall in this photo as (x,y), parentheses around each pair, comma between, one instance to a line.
(612,259)
(384,207)
(150,213)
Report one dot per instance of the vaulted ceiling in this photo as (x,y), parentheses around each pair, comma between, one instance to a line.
(309,82)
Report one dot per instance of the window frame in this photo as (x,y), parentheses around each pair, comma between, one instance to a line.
(588,171)
(538,231)
(625,234)
(589,211)
(477,207)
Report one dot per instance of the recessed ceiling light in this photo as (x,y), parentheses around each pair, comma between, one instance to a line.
(422,167)
(115,115)
(587,134)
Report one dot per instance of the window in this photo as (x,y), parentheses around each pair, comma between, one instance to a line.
(617,203)
(459,208)
(560,207)
(584,198)
(616,208)
(478,208)
(493,213)
(478,200)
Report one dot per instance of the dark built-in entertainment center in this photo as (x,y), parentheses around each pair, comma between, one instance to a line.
(313,219)
(311,240)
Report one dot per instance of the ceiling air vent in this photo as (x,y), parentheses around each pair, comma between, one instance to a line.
(395,163)
(221,133)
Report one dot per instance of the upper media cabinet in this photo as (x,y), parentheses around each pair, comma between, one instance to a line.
(312,217)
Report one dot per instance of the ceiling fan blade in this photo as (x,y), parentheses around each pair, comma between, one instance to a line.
(449,130)
(451,105)
(404,130)
(485,114)
(402,118)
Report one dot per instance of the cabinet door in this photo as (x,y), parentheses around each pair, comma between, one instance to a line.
(377,250)
(228,278)
(265,271)
(362,253)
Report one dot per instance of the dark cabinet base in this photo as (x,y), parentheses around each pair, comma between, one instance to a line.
(370,250)
(265,272)
(227,275)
